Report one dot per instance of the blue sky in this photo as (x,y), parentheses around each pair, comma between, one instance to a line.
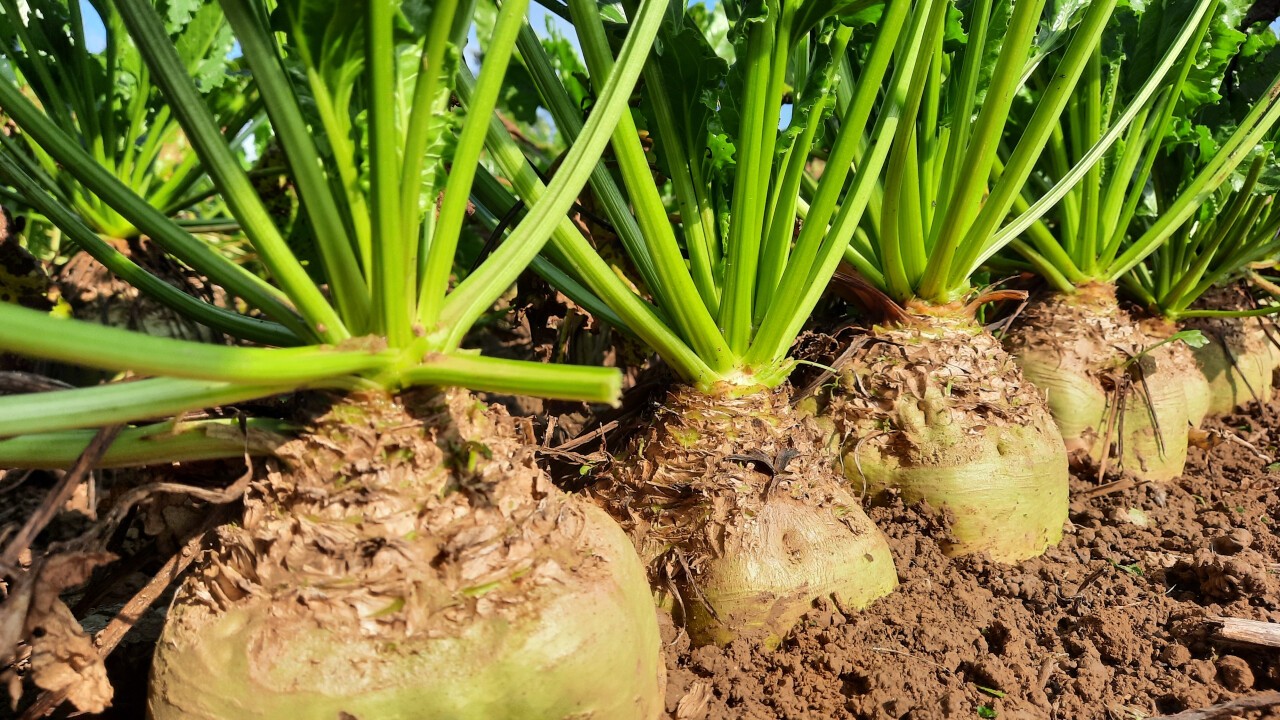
(95,36)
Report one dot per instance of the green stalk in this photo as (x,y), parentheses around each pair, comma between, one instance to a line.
(158,132)
(33,166)
(183,177)
(494,200)
(1045,268)
(680,164)
(743,245)
(1199,276)
(866,266)
(1076,173)
(911,227)
(34,333)
(1160,130)
(1188,247)
(1228,268)
(820,247)
(935,144)
(55,102)
(777,246)
(637,315)
(675,287)
(1168,256)
(965,200)
(519,377)
(849,144)
(159,444)
(1254,312)
(137,114)
(341,268)
(124,268)
(1047,246)
(87,95)
(392,304)
(435,281)
(332,109)
(1255,125)
(1192,257)
(120,402)
(153,43)
(1030,146)
(423,118)
(762,223)
(1073,145)
(1123,172)
(474,295)
(902,242)
(568,119)
(706,209)
(111,61)
(768,48)
(1092,130)
(962,108)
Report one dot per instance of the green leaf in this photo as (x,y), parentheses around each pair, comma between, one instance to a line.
(1192,338)
(107,101)
(611,11)
(821,84)
(519,97)
(695,77)
(715,27)
(1056,27)
(1223,42)
(329,33)
(177,13)
(568,65)
(812,13)
(998,27)
(1132,568)
(203,40)
(986,711)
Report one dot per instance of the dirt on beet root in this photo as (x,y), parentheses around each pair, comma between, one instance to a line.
(1109,624)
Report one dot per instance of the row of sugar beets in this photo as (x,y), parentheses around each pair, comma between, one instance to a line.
(406,556)
(1147,316)
(744,508)
(727,490)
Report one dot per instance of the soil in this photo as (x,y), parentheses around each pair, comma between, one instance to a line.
(1109,624)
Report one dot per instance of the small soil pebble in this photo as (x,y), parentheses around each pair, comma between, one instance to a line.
(1176,655)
